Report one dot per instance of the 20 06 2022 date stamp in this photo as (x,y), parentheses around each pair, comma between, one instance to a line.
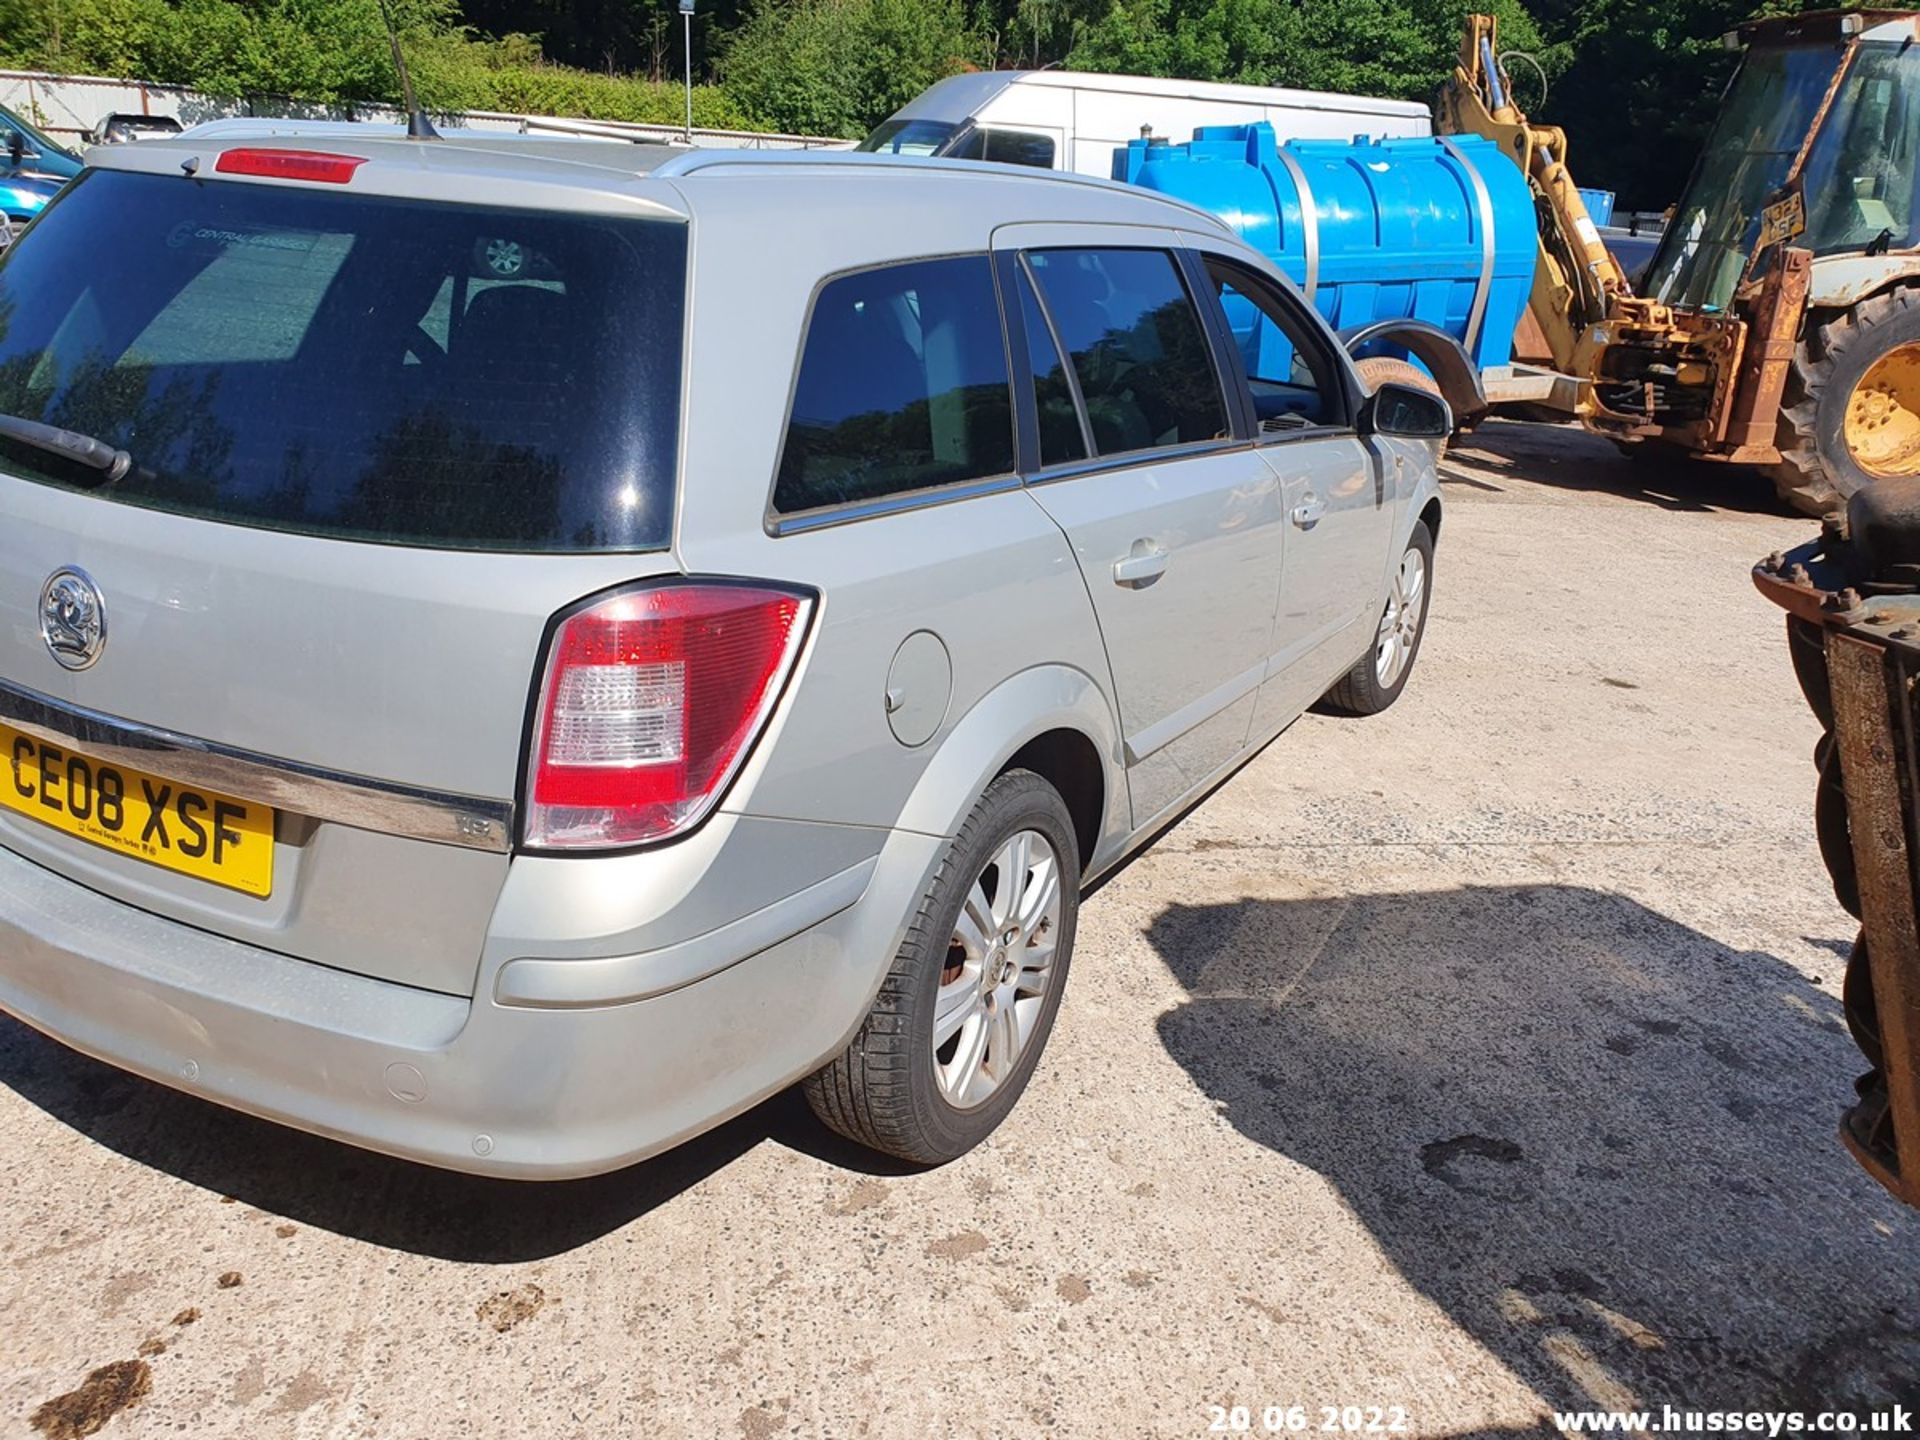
(1301,1419)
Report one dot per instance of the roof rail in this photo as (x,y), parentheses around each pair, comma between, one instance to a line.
(249,125)
(692,162)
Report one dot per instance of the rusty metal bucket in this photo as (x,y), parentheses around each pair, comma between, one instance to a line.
(1853,632)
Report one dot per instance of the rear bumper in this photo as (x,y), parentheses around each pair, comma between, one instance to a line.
(551,1089)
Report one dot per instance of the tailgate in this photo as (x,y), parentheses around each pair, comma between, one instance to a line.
(312,466)
(374,698)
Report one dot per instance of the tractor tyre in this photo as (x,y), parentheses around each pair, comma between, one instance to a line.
(1851,411)
(1857,1005)
(1378,370)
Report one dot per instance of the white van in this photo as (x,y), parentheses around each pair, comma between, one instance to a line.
(1068,120)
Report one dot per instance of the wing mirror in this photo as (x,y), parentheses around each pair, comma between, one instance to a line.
(16,146)
(1405,413)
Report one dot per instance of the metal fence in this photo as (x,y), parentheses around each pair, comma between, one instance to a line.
(68,106)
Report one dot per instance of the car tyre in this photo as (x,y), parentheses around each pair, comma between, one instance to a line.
(966,1008)
(1379,676)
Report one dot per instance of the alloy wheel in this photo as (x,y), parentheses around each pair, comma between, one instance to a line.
(1400,623)
(999,965)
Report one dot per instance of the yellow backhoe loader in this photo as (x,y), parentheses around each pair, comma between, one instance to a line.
(1779,320)
(1576,281)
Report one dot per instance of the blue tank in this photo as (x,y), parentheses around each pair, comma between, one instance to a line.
(1435,229)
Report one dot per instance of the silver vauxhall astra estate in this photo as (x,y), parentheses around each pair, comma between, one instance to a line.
(512,651)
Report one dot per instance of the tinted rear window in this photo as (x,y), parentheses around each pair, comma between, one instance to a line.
(902,386)
(351,365)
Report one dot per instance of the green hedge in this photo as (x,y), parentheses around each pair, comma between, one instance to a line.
(555,90)
(330,52)
(840,67)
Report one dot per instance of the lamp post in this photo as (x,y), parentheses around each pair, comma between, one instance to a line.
(686,32)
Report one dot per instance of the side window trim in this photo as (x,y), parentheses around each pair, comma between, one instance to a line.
(776,522)
(1067,367)
(1013,323)
(848,512)
(1135,459)
(1335,363)
(1011,353)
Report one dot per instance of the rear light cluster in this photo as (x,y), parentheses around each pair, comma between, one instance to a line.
(650,702)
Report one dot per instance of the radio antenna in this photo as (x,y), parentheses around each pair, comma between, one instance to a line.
(419,127)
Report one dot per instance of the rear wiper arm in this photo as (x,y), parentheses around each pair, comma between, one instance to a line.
(113,464)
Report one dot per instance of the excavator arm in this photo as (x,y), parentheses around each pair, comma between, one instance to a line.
(1576,280)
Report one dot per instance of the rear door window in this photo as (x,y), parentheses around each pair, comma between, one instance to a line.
(353,365)
(1145,369)
(903,386)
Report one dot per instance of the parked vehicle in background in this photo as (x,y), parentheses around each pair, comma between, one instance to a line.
(33,167)
(1067,120)
(1778,323)
(516,716)
(118,128)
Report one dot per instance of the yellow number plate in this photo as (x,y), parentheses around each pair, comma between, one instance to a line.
(197,832)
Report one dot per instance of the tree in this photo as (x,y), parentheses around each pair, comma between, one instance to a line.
(839,67)
(1401,48)
(327,51)
(1642,88)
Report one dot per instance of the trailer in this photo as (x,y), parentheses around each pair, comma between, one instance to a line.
(1418,251)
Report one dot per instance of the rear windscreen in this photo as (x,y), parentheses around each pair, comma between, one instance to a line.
(352,365)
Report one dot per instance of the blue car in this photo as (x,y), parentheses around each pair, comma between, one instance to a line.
(33,167)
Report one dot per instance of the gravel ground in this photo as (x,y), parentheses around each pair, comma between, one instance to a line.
(1481,1059)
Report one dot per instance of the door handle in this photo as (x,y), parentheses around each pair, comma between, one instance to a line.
(1308,512)
(1144,564)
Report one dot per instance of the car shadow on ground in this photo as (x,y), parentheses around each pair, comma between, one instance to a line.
(1564,457)
(374,1198)
(1599,1141)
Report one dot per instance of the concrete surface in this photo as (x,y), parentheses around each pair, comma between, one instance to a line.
(1479,1059)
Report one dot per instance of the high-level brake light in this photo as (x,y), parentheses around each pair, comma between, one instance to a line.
(317,165)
